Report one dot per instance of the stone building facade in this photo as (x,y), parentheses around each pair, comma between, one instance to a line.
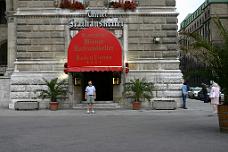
(39,37)
(201,21)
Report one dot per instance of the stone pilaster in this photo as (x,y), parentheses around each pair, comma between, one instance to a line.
(11,45)
(4,92)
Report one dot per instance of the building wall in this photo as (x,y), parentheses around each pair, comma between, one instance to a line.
(49,3)
(34,4)
(157,62)
(42,39)
(203,21)
(206,27)
(41,51)
(221,11)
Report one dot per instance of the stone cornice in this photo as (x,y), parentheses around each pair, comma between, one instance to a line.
(56,12)
(40,61)
(158,72)
(154,60)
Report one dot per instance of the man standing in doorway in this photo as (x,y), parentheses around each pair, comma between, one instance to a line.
(90,96)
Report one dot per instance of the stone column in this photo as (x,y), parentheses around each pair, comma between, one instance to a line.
(71,90)
(4,92)
(67,39)
(9,5)
(125,42)
(125,57)
(11,45)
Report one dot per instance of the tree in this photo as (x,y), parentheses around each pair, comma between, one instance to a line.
(214,56)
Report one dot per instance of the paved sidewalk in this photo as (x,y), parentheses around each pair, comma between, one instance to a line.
(191,130)
(194,106)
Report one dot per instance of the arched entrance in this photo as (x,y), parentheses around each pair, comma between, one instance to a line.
(3,19)
(3,57)
(94,54)
(103,83)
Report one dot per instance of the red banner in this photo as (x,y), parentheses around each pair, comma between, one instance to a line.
(95,48)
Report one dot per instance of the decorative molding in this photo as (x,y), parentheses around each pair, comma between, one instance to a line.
(83,13)
(11,19)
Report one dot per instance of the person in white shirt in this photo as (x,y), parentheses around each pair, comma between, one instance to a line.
(90,96)
(214,95)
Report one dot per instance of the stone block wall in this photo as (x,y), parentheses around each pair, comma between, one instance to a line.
(221,11)
(157,62)
(143,30)
(26,86)
(157,2)
(40,53)
(167,83)
(40,43)
(40,38)
(4,92)
(34,3)
(93,3)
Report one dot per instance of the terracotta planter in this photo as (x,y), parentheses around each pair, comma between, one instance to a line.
(53,106)
(223,117)
(136,105)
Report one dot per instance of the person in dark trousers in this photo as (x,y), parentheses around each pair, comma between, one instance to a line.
(204,91)
(184,90)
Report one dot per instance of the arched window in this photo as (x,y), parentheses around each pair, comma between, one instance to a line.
(3,12)
(3,52)
(3,57)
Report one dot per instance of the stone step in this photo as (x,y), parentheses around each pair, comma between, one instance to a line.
(104,102)
(99,102)
(100,106)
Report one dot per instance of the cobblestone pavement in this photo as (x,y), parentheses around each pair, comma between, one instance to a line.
(191,130)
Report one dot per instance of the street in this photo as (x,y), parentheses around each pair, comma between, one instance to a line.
(192,130)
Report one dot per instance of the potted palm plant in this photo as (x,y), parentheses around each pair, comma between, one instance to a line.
(139,90)
(55,89)
(215,57)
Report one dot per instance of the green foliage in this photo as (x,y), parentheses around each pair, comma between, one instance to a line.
(214,56)
(55,89)
(202,73)
(139,89)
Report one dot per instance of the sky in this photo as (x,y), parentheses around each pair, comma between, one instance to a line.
(184,7)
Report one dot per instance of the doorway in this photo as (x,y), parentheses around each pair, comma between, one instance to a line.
(102,82)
